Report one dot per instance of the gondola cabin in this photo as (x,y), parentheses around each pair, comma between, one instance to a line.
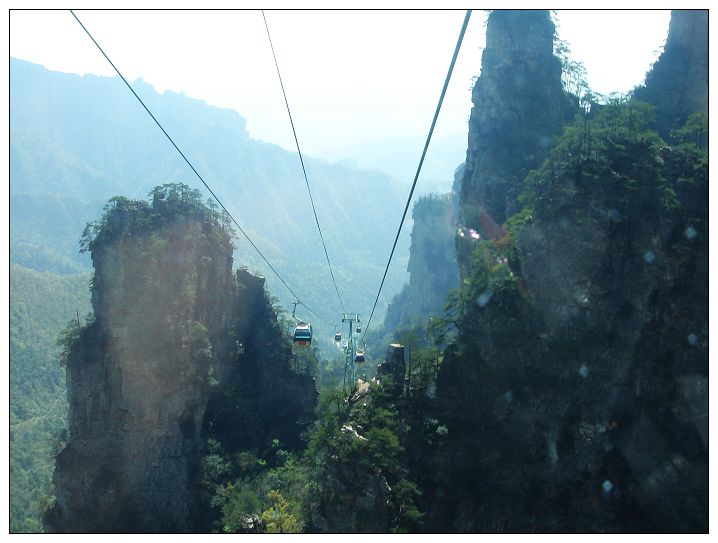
(359,357)
(303,335)
(358,328)
(338,337)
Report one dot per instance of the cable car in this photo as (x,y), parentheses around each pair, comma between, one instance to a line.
(303,335)
(358,328)
(338,337)
(359,357)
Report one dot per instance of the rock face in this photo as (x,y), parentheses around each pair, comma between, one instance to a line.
(137,383)
(519,107)
(575,396)
(264,392)
(359,500)
(678,82)
(432,263)
(394,367)
(168,318)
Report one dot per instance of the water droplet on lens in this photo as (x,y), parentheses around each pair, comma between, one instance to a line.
(484,298)
(614,215)
(545,141)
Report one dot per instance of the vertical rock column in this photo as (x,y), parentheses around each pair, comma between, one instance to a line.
(678,82)
(519,106)
(138,381)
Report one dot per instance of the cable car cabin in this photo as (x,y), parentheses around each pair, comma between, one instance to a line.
(358,328)
(303,335)
(359,357)
(338,337)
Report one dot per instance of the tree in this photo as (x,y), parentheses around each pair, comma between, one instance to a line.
(277,518)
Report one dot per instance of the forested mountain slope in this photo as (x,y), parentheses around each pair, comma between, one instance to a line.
(41,305)
(78,141)
(563,387)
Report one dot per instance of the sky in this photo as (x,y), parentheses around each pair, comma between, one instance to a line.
(350,76)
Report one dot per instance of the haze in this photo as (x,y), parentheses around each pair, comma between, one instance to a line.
(351,76)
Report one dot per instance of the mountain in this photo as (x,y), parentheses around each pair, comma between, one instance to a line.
(178,349)
(575,392)
(432,267)
(677,84)
(564,388)
(78,141)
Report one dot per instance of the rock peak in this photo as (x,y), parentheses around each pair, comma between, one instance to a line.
(519,107)
(688,28)
(678,82)
(520,30)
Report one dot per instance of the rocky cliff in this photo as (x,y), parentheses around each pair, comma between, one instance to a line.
(265,391)
(519,108)
(575,396)
(432,263)
(678,82)
(169,321)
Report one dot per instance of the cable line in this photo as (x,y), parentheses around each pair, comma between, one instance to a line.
(306,179)
(193,168)
(421,161)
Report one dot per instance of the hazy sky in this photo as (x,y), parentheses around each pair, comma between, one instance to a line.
(351,76)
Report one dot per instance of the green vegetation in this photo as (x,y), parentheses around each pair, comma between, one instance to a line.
(125,217)
(609,163)
(252,490)
(357,448)
(367,462)
(613,156)
(375,444)
(41,305)
(433,274)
